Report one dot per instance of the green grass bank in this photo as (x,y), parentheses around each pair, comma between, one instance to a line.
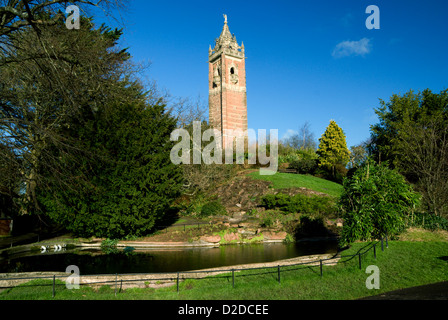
(403,264)
(288,180)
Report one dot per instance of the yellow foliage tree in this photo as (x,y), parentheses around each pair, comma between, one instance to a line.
(333,147)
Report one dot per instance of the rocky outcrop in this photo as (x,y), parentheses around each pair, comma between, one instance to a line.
(211,239)
(269,235)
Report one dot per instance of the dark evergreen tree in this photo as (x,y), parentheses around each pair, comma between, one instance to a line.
(90,147)
(129,181)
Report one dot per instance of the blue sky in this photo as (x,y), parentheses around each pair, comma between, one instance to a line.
(306,60)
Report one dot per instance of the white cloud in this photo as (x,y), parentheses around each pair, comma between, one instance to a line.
(352,48)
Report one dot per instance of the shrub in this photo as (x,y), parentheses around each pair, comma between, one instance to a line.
(212,208)
(427,221)
(299,203)
(323,205)
(272,201)
(335,174)
(375,201)
(267,222)
(288,158)
(306,162)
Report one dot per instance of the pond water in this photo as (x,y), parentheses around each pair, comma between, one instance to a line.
(91,262)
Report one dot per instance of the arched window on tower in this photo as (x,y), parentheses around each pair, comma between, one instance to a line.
(233,75)
(216,77)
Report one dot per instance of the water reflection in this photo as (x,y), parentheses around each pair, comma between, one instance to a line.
(164,260)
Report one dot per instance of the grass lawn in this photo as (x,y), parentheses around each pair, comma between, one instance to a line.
(404,264)
(289,180)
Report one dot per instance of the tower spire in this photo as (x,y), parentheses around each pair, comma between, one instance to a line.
(225,30)
(226,41)
(227,86)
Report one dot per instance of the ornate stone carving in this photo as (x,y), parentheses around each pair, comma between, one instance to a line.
(226,43)
(216,74)
(234,78)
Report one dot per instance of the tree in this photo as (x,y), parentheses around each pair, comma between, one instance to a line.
(42,92)
(302,140)
(35,66)
(16,15)
(306,137)
(383,133)
(131,184)
(90,145)
(332,149)
(413,136)
(375,202)
(9,182)
(358,155)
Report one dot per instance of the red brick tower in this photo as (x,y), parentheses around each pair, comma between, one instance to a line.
(227,85)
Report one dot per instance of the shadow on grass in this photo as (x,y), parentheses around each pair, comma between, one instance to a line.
(170,218)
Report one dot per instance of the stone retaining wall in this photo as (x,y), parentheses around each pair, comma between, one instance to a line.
(157,280)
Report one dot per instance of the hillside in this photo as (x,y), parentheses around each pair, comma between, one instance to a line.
(246,219)
(288,180)
(243,192)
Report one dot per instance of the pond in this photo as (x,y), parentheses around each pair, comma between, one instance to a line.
(93,262)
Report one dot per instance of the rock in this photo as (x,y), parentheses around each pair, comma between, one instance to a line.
(244,225)
(231,237)
(275,235)
(238,215)
(247,231)
(211,239)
